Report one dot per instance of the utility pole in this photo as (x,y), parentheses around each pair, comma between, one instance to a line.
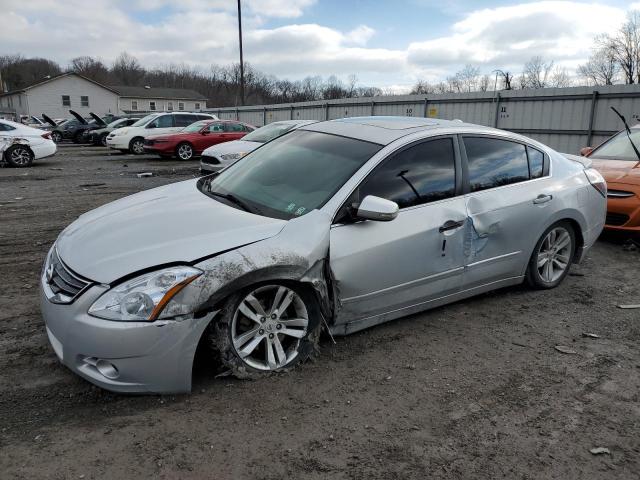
(241,60)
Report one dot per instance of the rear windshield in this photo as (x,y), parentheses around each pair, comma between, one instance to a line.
(290,176)
(268,132)
(619,147)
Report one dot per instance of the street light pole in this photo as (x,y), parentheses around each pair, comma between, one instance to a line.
(241,60)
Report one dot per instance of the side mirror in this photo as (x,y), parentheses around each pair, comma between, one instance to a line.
(377,209)
(586,151)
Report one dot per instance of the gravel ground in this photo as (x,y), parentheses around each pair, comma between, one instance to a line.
(471,390)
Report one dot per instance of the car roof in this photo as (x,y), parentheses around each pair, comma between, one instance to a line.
(384,130)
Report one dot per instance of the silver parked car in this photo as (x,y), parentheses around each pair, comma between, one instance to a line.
(224,154)
(343,224)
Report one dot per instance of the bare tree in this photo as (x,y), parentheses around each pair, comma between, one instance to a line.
(485,83)
(537,73)
(601,68)
(624,47)
(560,78)
(506,77)
(91,68)
(422,87)
(468,78)
(127,69)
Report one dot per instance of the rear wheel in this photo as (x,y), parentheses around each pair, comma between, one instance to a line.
(184,151)
(265,329)
(136,146)
(56,136)
(103,140)
(19,156)
(552,256)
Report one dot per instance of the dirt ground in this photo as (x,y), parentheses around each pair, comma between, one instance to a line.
(470,390)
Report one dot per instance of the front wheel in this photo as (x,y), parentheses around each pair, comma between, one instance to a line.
(136,146)
(184,151)
(552,256)
(56,136)
(266,329)
(103,140)
(19,156)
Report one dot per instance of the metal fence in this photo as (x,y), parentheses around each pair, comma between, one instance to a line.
(566,119)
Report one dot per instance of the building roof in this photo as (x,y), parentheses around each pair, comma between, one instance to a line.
(157,92)
(51,78)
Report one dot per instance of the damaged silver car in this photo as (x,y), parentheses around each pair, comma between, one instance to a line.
(342,224)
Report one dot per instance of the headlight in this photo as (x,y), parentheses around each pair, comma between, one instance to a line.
(233,156)
(147,297)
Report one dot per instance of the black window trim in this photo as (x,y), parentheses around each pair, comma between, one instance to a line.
(546,165)
(459,173)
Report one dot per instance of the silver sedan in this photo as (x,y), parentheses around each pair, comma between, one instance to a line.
(338,225)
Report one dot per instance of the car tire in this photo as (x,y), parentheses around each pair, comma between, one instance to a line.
(184,151)
(19,156)
(136,146)
(552,256)
(103,140)
(242,336)
(56,136)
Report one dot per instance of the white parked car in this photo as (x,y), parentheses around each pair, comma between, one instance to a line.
(131,139)
(21,145)
(224,154)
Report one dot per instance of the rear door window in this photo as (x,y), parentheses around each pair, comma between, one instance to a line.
(420,174)
(185,120)
(536,162)
(494,162)
(234,127)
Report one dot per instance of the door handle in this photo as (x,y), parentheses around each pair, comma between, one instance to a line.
(450,225)
(542,198)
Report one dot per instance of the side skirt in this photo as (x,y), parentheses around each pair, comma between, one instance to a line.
(361,324)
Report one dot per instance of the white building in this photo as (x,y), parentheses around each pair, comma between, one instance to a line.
(55,96)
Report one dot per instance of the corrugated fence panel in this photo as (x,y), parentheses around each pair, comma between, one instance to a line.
(558,117)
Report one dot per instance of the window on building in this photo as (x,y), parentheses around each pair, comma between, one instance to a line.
(180,106)
(420,174)
(134,105)
(152,105)
(66,101)
(84,101)
(493,162)
(170,106)
(197,106)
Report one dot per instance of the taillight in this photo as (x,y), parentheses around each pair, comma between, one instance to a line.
(596,180)
(46,135)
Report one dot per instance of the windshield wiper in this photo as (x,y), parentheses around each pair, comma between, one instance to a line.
(231,198)
(626,126)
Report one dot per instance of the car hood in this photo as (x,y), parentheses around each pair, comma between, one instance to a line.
(171,224)
(618,171)
(236,146)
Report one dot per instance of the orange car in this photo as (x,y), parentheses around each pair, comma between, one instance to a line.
(618,162)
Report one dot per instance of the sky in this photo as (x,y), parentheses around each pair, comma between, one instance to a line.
(388,44)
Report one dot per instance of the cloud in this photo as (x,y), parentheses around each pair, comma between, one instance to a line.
(204,32)
(509,36)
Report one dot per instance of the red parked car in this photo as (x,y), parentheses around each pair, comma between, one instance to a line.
(195,138)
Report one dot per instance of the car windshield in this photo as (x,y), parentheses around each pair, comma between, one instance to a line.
(144,120)
(619,147)
(195,127)
(290,176)
(268,132)
(117,123)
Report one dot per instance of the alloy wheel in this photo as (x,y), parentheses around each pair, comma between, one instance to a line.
(20,156)
(138,147)
(185,152)
(554,254)
(56,137)
(268,326)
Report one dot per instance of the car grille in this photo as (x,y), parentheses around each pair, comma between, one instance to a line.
(619,194)
(616,219)
(64,284)
(210,160)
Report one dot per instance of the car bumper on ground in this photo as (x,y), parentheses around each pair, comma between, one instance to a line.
(133,357)
(623,208)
